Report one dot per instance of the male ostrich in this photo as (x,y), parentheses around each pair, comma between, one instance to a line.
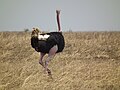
(47,43)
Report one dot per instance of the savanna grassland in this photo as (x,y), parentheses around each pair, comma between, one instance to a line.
(90,61)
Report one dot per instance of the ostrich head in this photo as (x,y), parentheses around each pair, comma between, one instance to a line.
(35,32)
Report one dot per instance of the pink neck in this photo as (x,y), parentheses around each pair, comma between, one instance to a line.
(58,21)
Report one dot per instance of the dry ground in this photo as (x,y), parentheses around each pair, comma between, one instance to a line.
(90,61)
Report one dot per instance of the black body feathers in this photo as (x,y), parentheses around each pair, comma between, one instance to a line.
(44,46)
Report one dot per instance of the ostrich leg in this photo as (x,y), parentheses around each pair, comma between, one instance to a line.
(51,54)
(41,62)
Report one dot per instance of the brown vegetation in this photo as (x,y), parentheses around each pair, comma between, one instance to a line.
(90,61)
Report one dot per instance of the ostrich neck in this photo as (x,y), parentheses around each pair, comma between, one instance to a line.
(58,22)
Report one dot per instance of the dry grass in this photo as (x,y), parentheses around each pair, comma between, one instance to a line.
(90,61)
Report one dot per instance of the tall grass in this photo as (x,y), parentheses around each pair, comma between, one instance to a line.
(90,61)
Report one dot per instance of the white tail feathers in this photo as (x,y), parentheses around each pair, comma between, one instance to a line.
(43,37)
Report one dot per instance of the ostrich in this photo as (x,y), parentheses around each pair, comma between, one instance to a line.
(48,43)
